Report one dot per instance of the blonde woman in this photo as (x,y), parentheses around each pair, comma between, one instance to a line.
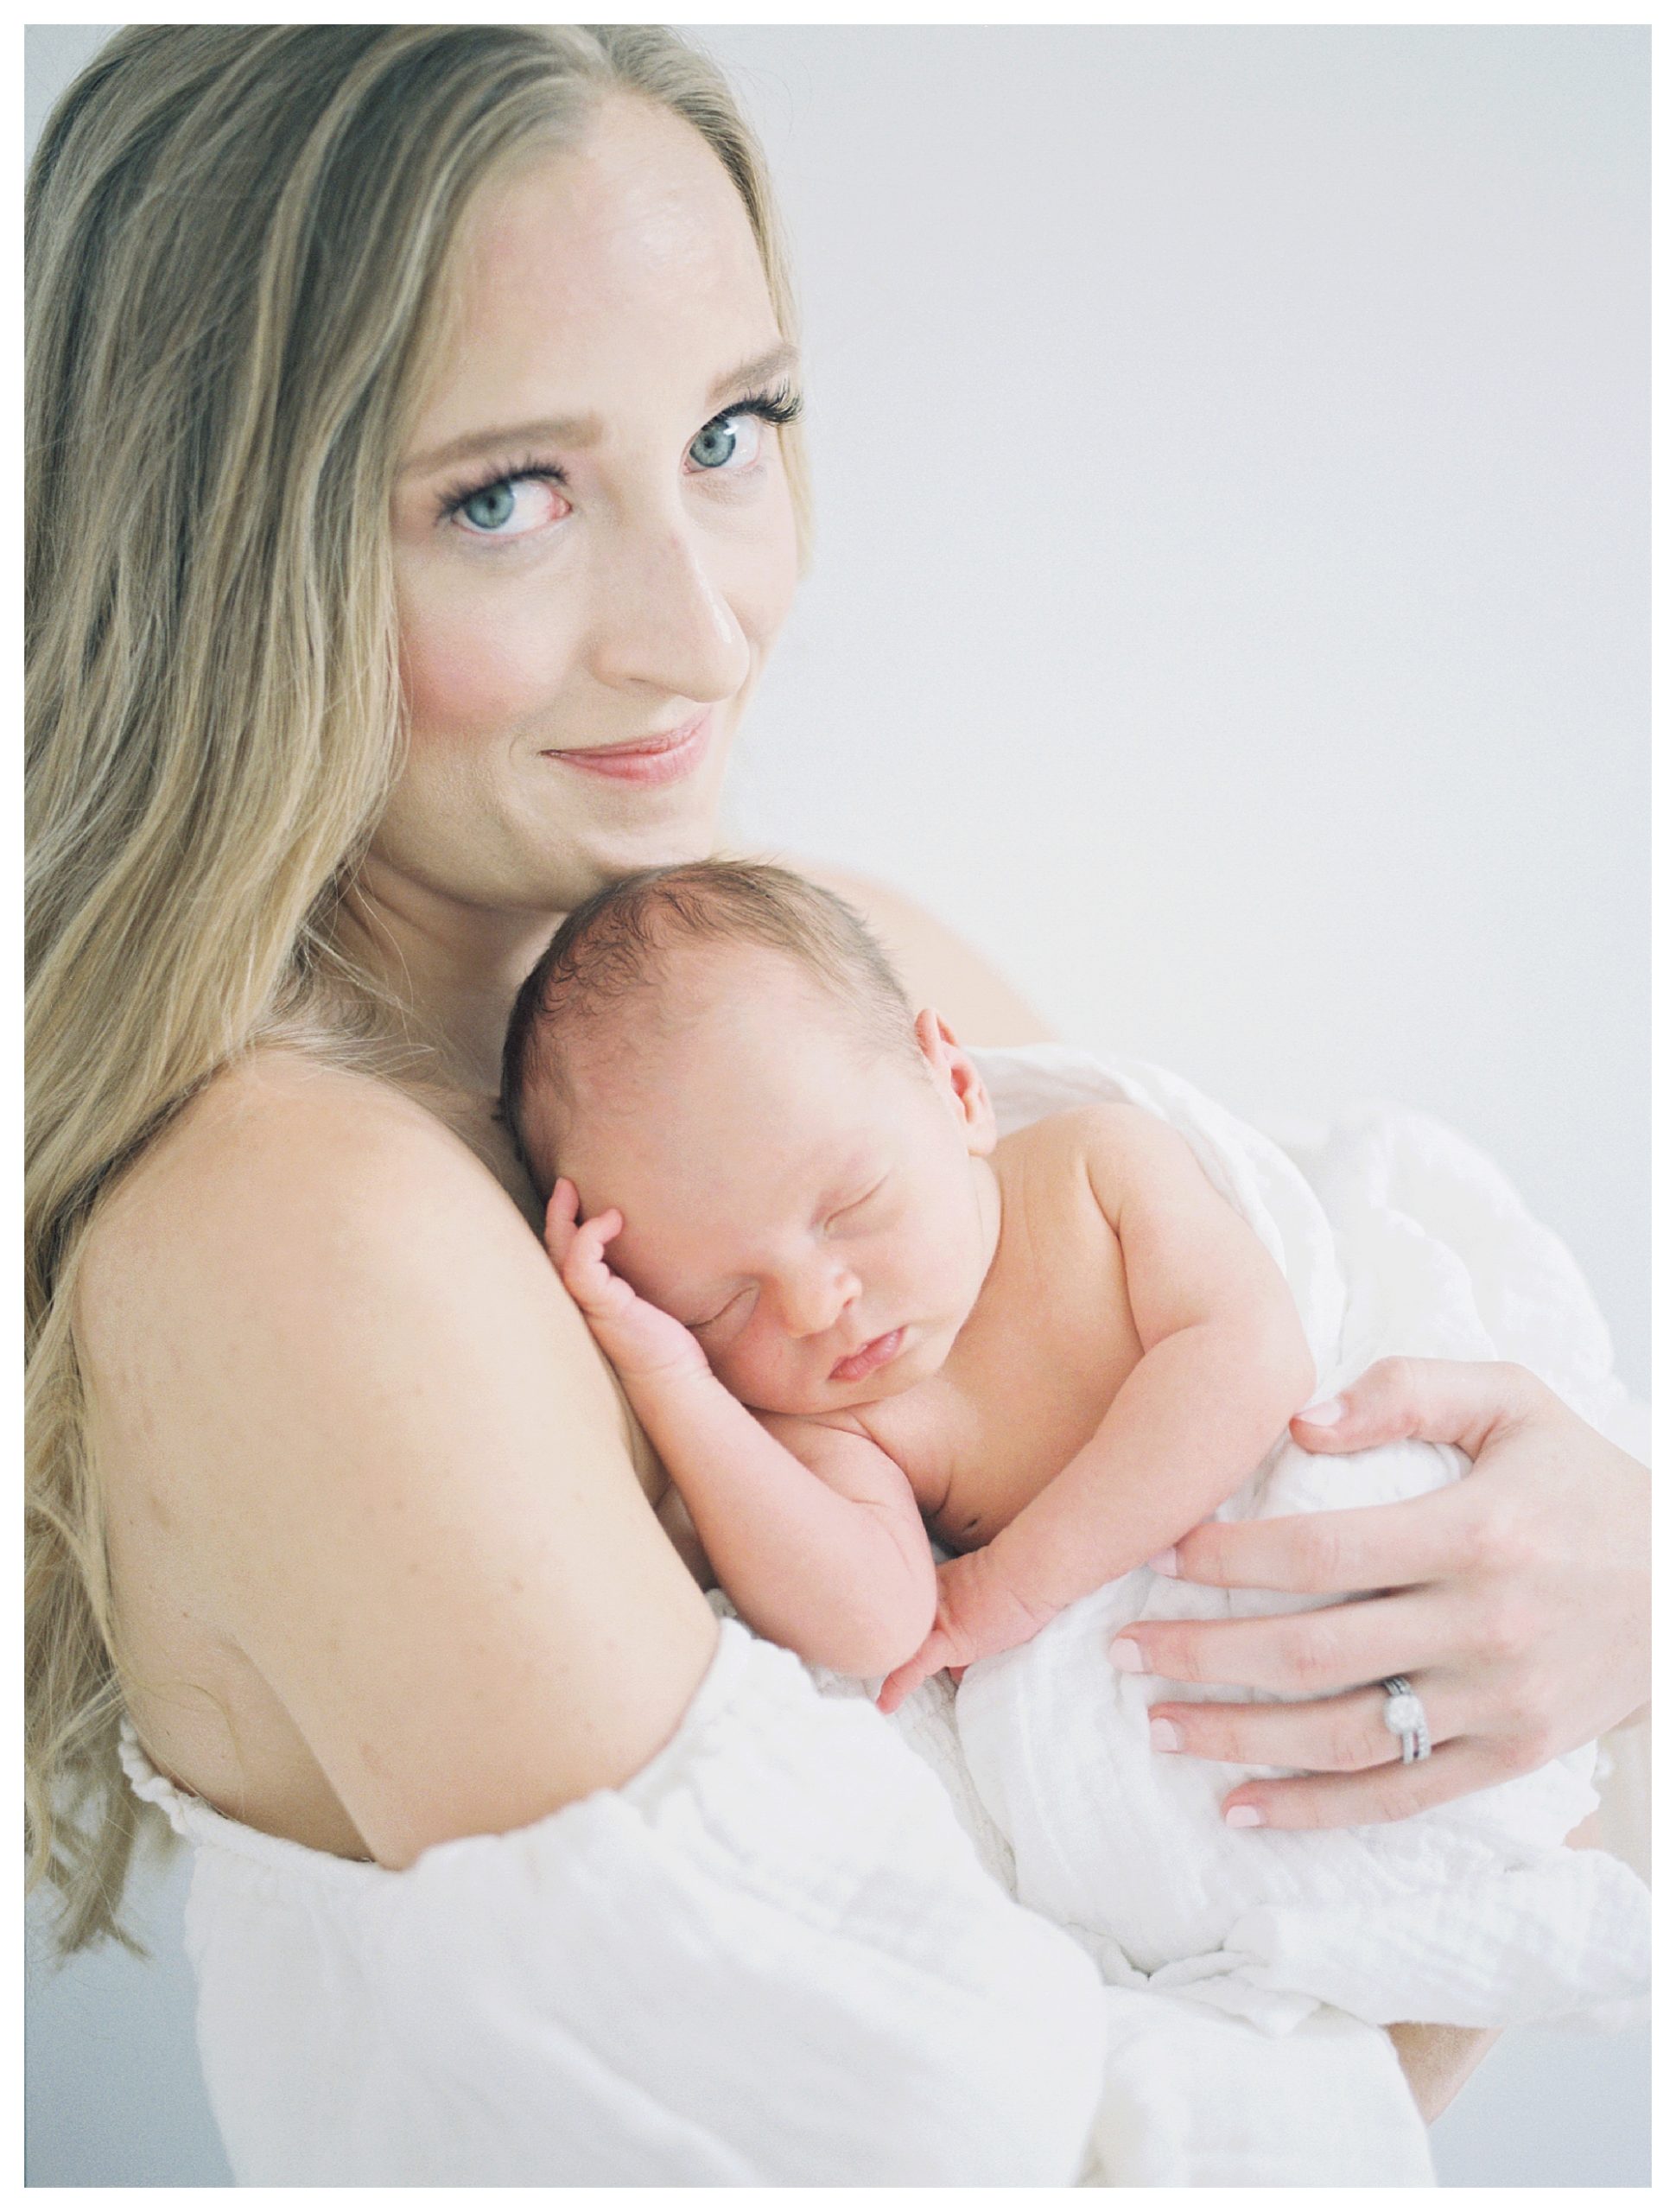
(415,492)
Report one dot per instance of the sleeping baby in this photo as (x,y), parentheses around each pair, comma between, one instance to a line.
(847,1315)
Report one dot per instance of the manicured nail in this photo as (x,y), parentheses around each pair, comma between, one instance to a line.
(1126,1657)
(1324,1415)
(1163,1562)
(1243,1816)
(1167,1737)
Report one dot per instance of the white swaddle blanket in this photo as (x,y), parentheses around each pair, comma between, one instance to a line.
(1403,1240)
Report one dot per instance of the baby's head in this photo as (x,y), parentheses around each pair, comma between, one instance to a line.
(721,1051)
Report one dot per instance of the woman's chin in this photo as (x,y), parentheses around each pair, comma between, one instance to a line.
(660,836)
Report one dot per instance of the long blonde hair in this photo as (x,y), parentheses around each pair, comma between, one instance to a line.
(239,246)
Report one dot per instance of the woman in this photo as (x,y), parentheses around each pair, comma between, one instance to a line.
(418,495)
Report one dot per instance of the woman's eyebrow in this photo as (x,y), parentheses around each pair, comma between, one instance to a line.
(777,361)
(584,429)
(555,429)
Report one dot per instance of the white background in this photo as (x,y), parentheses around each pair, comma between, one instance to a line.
(1230,611)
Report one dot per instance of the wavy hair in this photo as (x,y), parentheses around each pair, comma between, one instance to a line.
(239,246)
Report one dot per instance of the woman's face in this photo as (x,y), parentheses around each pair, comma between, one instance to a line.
(593,533)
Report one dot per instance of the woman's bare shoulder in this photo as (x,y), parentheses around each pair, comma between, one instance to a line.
(936,966)
(280,1112)
(281,1152)
(324,1339)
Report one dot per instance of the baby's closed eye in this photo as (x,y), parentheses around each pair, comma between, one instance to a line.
(733,1307)
(856,1206)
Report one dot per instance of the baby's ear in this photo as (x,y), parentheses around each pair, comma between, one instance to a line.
(951,1065)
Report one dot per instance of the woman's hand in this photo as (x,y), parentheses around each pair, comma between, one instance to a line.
(1516,1602)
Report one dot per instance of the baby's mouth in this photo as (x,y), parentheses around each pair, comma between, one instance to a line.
(873,1355)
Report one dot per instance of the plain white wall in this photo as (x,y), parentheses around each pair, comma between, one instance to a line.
(1231,611)
(1230,607)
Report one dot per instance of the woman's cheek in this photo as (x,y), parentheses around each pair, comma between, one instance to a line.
(755,568)
(473,665)
(776,585)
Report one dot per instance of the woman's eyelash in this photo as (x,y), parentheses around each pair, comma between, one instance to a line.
(780,406)
(460,495)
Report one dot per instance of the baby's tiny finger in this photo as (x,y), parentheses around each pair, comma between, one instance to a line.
(559,1227)
(894,1688)
(596,1232)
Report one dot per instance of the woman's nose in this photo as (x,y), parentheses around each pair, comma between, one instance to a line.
(664,622)
(813,1300)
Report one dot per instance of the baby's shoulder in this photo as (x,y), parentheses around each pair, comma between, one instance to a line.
(1107,1131)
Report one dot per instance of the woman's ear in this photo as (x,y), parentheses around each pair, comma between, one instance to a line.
(957,1079)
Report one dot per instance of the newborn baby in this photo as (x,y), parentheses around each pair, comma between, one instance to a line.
(846,1314)
(1058,1352)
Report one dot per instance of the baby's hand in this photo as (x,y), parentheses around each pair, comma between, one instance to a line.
(976,1614)
(641,1341)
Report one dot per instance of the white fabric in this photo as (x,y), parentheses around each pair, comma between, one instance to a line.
(1192,2100)
(774,1957)
(1403,1240)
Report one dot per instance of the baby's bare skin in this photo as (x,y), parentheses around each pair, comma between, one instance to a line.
(1061,1352)
(1045,1352)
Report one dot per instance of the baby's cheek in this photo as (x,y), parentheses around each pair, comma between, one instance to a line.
(735,1374)
(755,1378)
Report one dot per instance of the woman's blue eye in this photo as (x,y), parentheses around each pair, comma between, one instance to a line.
(491,507)
(519,505)
(736,437)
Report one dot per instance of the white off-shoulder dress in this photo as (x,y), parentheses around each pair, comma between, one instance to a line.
(773,1956)
(781,1954)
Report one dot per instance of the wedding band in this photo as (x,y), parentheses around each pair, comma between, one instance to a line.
(1405,1716)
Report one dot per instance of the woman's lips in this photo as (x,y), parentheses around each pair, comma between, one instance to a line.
(871,1358)
(664,759)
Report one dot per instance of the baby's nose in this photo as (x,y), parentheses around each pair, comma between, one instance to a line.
(812,1302)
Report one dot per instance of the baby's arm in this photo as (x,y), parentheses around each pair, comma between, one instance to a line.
(813,1532)
(1224,1366)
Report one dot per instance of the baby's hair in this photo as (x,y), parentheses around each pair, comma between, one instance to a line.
(616,945)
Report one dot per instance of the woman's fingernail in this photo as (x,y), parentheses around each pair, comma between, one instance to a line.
(1167,1737)
(1126,1657)
(1323,1414)
(1163,1562)
(1243,1816)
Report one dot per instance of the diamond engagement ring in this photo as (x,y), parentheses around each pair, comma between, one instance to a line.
(1405,1716)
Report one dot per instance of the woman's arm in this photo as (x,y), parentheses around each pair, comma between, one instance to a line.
(398,1459)
(754,1945)
(1518,1602)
